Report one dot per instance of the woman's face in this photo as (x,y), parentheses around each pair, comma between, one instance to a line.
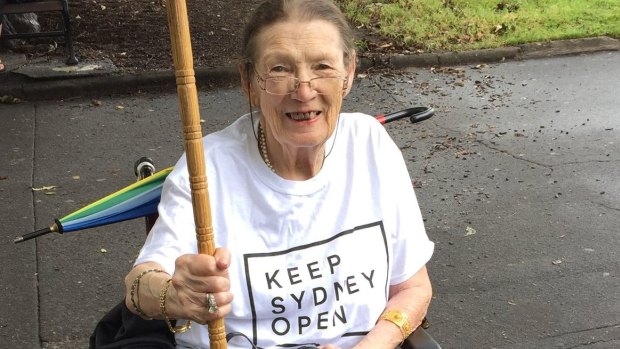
(307,50)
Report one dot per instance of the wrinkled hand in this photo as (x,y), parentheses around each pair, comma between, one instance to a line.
(196,276)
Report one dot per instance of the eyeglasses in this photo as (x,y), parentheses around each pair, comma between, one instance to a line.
(284,85)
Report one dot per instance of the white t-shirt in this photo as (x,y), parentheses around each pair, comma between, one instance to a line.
(312,260)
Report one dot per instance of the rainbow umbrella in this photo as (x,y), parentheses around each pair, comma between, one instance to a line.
(136,200)
(141,198)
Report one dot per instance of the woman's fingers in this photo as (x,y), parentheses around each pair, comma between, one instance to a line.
(201,286)
(205,265)
(209,306)
(222,258)
(199,306)
(203,273)
(216,300)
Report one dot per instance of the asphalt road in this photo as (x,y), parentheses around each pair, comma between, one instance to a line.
(516,176)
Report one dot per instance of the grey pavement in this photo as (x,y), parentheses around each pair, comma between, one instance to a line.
(516,176)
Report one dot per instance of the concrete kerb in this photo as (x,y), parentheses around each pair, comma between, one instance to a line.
(526,51)
(31,89)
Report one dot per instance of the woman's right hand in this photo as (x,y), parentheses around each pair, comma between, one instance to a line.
(196,276)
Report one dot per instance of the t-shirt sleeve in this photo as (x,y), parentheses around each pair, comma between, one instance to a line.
(410,245)
(173,234)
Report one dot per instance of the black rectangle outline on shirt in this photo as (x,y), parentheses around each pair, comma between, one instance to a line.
(246,258)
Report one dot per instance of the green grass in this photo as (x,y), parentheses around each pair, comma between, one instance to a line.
(473,24)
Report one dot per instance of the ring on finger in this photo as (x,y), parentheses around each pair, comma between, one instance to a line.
(212,306)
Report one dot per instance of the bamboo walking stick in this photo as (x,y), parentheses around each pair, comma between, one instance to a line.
(188,107)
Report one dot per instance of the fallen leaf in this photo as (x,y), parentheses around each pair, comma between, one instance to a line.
(557,262)
(49,187)
(75,68)
(9,99)
(76,177)
(470,231)
(512,303)
(50,193)
(119,107)
(103,250)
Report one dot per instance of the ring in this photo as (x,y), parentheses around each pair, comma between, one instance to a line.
(212,307)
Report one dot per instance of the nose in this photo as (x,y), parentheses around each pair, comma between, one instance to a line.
(304,91)
(305,88)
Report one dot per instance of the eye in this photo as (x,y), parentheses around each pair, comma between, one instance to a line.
(279,69)
(323,66)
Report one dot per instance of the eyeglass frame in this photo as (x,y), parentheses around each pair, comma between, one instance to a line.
(262,82)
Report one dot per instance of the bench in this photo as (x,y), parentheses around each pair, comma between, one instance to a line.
(37,6)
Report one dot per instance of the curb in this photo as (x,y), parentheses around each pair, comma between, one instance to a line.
(31,89)
(113,84)
(521,52)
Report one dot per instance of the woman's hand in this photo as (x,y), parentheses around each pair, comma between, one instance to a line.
(194,278)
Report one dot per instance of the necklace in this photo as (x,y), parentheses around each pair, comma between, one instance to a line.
(262,147)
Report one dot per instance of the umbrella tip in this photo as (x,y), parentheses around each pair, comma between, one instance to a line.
(18,239)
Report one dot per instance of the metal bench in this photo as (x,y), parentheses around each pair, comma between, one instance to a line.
(38,6)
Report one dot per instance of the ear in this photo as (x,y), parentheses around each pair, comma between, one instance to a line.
(246,73)
(243,73)
(350,73)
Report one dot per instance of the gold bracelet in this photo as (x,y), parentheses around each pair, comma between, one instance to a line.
(162,307)
(400,319)
(135,290)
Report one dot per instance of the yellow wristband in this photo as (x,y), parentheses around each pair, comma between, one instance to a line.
(400,319)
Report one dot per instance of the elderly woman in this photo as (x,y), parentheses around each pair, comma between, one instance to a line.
(323,241)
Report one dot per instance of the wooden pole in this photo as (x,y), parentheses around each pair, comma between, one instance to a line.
(192,133)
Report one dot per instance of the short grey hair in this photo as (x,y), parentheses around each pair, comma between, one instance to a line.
(271,12)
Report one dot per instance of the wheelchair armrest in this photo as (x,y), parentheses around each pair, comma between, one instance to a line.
(420,339)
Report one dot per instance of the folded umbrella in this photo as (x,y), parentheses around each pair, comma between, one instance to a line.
(136,200)
(141,198)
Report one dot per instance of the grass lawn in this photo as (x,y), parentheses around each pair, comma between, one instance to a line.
(473,24)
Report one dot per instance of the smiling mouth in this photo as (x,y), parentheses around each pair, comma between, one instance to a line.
(303,116)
